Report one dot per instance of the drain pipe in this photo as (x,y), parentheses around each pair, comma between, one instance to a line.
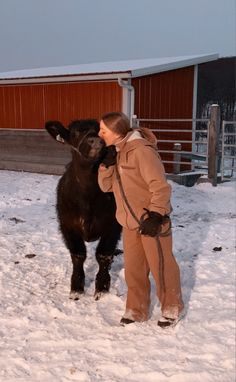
(130,88)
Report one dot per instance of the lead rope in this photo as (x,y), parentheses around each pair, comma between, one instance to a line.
(159,247)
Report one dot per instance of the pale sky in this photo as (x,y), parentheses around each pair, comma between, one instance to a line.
(43,33)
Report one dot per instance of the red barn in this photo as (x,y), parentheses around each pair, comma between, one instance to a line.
(149,88)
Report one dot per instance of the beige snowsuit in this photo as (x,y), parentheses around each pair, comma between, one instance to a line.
(145,186)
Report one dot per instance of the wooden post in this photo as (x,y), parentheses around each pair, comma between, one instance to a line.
(134,124)
(177,158)
(213,136)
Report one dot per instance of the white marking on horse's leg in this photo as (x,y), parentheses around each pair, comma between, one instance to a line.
(75,295)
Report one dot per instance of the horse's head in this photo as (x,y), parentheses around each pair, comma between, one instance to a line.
(81,135)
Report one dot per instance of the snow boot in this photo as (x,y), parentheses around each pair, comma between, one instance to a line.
(165,322)
(125,321)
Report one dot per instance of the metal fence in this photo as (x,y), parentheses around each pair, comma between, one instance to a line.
(228,150)
(199,142)
(212,145)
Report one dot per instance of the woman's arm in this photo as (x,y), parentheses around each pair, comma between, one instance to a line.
(105,177)
(153,173)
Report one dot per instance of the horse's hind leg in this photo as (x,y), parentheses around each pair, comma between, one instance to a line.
(103,279)
(77,249)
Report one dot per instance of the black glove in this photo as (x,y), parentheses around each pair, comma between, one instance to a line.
(151,225)
(109,158)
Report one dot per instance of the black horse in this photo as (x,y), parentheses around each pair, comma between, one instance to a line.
(85,213)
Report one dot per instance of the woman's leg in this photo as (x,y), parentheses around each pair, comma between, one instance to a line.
(166,274)
(136,277)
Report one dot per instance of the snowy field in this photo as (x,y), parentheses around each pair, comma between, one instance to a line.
(44,336)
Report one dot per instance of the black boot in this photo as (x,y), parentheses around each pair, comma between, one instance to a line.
(125,321)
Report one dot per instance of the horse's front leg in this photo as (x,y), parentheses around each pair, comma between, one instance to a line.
(78,275)
(77,248)
(104,255)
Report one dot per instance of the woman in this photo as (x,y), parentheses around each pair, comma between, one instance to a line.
(133,170)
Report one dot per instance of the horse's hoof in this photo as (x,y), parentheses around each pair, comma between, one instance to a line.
(97,296)
(75,295)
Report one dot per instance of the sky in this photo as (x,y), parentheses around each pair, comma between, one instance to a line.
(45,336)
(68,32)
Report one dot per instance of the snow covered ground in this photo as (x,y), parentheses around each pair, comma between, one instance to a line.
(44,336)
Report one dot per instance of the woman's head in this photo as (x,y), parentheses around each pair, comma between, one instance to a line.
(114,126)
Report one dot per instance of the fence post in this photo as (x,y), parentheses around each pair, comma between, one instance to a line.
(177,158)
(134,123)
(213,136)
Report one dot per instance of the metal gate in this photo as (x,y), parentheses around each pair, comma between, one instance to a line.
(196,157)
(213,145)
(228,150)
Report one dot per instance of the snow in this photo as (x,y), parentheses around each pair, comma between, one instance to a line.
(44,336)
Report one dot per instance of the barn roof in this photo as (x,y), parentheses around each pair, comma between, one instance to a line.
(113,69)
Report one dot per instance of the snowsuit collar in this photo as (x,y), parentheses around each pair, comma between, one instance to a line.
(131,141)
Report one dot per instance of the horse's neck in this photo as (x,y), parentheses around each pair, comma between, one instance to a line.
(85,175)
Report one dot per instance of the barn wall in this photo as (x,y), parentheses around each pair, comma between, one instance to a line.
(163,95)
(167,95)
(29,106)
(24,144)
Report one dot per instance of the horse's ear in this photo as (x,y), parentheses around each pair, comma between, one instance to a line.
(57,131)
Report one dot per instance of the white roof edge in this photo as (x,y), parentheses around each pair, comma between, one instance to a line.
(66,78)
(104,70)
(174,65)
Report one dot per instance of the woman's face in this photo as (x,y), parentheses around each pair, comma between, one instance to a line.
(107,135)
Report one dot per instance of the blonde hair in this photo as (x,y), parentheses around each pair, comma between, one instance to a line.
(117,122)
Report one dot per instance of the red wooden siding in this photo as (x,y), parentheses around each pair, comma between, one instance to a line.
(167,95)
(29,106)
